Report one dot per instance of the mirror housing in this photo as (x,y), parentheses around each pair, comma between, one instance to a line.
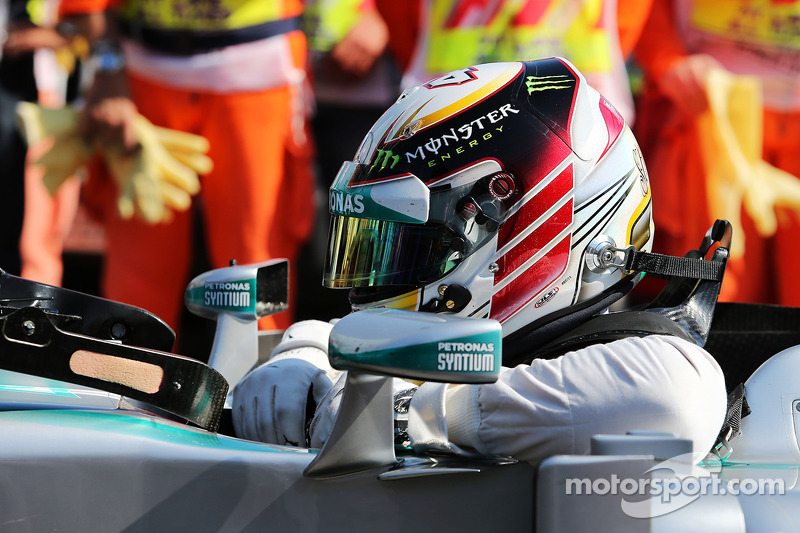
(236,297)
(245,291)
(408,344)
(420,346)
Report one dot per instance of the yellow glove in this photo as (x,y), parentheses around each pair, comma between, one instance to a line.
(731,135)
(64,159)
(772,188)
(162,175)
(187,148)
(37,123)
(67,154)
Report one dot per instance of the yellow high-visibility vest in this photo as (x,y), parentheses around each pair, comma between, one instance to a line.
(465,32)
(775,23)
(203,15)
(326,22)
(579,30)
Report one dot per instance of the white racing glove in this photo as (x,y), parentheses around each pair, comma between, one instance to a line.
(274,402)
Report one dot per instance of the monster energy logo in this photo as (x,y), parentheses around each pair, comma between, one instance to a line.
(468,135)
(388,157)
(543,83)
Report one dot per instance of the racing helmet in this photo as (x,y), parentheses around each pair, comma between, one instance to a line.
(499,190)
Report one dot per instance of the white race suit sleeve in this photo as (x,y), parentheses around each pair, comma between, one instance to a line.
(555,406)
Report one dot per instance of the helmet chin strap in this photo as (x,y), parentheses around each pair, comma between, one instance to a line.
(692,266)
(665,266)
(688,301)
(452,299)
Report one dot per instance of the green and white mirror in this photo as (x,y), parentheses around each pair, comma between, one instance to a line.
(421,346)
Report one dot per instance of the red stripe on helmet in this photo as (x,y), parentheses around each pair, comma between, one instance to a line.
(531,283)
(530,245)
(535,207)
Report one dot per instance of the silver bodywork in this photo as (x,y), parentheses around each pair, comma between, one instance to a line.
(91,466)
(75,458)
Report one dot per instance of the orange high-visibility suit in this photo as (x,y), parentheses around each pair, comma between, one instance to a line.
(243,92)
(745,37)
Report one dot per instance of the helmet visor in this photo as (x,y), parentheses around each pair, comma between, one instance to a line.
(366,253)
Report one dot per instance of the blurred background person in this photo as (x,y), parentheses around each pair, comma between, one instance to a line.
(684,44)
(49,218)
(30,250)
(432,37)
(597,36)
(12,146)
(354,81)
(234,74)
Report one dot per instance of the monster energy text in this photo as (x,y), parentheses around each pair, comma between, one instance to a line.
(453,141)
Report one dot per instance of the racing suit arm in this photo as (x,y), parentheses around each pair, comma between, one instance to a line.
(555,406)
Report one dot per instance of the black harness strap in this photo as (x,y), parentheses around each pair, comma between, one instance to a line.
(692,266)
(666,266)
(732,427)
(611,327)
(685,307)
(30,343)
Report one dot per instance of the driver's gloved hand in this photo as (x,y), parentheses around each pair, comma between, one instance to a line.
(275,402)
